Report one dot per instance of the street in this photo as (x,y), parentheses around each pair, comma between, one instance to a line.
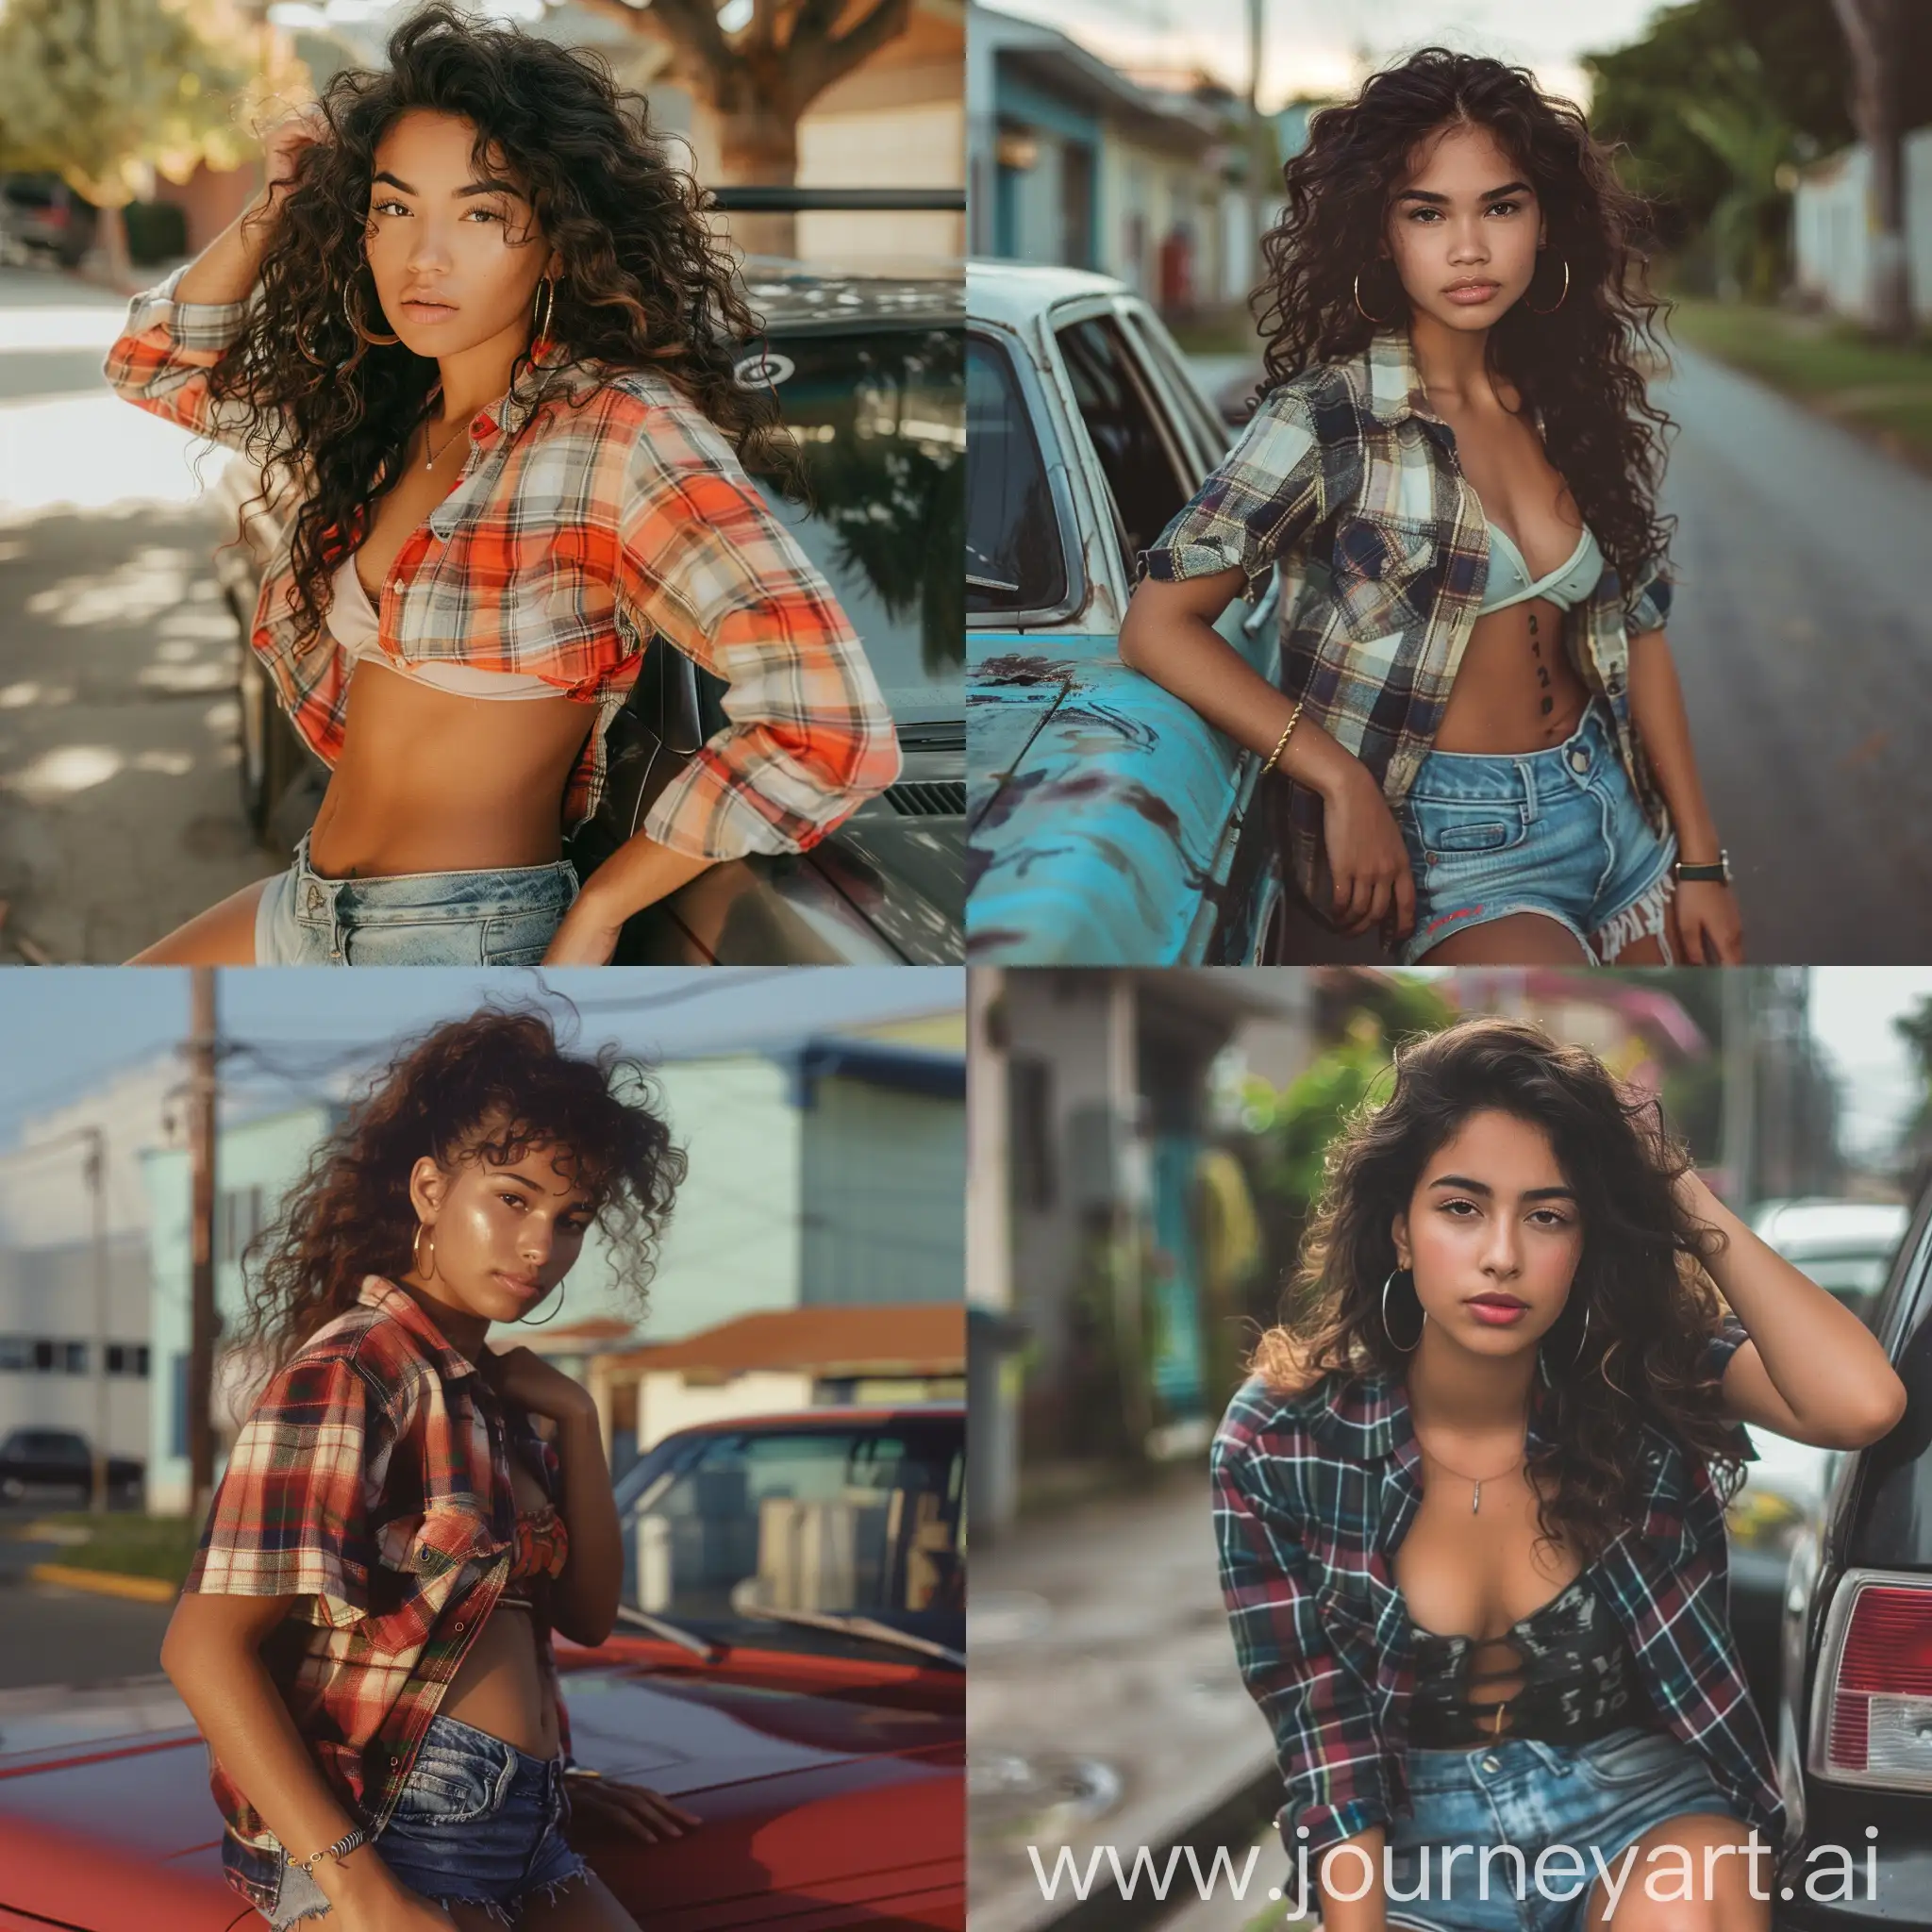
(52,1635)
(1803,636)
(119,809)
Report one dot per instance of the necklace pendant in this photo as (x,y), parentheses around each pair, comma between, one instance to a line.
(1475,1502)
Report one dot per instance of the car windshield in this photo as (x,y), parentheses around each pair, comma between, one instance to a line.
(880,422)
(1014,560)
(861,1520)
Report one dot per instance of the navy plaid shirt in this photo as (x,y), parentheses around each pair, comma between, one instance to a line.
(1313,1493)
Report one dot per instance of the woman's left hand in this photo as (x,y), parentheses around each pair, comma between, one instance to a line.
(529,1381)
(587,937)
(1712,927)
(607,1804)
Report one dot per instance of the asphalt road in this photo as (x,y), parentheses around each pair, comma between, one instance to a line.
(50,1635)
(118,809)
(1802,631)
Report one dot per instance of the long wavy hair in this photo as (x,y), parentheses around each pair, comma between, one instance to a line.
(643,282)
(1641,1277)
(493,1085)
(1580,363)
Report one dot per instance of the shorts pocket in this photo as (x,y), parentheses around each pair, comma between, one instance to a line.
(1464,829)
(1629,1758)
(454,941)
(518,939)
(449,1786)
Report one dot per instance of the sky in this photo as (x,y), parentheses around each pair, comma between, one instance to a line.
(61,1030)
(1317,47)
(1852,1011)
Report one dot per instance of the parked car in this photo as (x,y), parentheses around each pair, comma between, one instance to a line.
(790,1666)
(1847,1247)
(59,1461)
(1855,1717)
(867,367)
(42,215)
(1106,824)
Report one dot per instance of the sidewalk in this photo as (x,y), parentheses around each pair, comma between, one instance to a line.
(1104,1709)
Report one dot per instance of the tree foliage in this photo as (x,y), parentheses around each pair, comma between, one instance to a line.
(98,91)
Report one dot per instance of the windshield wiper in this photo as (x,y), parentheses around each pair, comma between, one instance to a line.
(868,1627)
(703,1647)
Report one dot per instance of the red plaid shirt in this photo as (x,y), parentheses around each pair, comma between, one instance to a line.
(372,1480)
(597,507)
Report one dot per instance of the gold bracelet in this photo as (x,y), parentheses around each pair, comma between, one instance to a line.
(1295,718)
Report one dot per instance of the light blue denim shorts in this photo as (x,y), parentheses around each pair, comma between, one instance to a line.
(1556,832)
(477,1822)
(506,917)
(1599,1796)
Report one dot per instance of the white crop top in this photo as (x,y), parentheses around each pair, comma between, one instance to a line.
(355,625)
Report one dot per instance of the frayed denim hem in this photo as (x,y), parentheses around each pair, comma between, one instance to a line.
(1643,918)
(509,1915)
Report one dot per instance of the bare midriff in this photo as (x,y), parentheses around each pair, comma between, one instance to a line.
(1515,689)
(499,1686)
(428,782)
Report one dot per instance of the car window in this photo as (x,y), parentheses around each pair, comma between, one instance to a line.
(1116,407)
(861,1521)
(1014,557)
(1157,347)
(880,421)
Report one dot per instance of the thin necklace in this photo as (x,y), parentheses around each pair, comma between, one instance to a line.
(1476,1501)
(429,462)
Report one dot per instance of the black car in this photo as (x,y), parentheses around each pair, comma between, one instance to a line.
(869,372)
(42,216)
(32,1460)
(1855,1721)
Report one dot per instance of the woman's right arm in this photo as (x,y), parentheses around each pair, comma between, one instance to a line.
(1264,494)
(211,1653)
(179,329)
(1326,1740)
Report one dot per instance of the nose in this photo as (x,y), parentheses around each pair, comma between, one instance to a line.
(1468,245)
(1502,1252)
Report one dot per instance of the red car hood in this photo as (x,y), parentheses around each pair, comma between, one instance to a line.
(822,1809)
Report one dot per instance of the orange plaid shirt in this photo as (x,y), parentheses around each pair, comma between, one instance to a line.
(598,508)
(371,1480)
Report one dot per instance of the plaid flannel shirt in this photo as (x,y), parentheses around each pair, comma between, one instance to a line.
(1348,481)
(1313,1493)
(595,510)
(371,1480)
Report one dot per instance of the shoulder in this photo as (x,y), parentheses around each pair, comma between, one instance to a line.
(361,1355)
(1272,1423)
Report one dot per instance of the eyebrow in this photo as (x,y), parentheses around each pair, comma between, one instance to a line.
(1475,1187)
(579,1200)
(491,187)
(1489,195)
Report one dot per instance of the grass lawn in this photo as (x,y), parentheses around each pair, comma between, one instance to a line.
(130,1544)
(1879,388)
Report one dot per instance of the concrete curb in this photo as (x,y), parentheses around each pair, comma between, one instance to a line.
(148,1589)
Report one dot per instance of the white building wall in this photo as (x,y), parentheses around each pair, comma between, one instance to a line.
(1831,229)
(667,1403)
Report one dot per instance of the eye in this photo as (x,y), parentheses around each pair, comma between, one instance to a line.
(377,207)
(1417,215)
(1459,1209)
(1551,1217)
(514,1200)
(489,214)
(1506,208)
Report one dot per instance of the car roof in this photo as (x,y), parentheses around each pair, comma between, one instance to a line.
(813,1418)
(1799,1228)
(796,295)
(1013,292)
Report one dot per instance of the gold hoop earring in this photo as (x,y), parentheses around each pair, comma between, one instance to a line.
(422,1274)
(355,321)
(541,340)
(1560,299)
(552,1316)
(1375,320)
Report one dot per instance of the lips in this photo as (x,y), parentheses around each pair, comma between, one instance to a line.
(1495,1300)
(520,1284)
(1472,291)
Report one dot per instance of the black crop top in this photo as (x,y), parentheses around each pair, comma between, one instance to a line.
(1574,1678)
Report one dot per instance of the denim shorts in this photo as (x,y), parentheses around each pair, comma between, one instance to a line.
(1602,1795)
(505,917)
(477,1822)
(1555,832)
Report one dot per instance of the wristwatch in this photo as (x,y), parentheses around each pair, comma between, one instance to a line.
(1716,874)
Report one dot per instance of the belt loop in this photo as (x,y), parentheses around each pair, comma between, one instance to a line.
(1525,772)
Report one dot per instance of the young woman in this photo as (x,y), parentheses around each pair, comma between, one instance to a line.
(364,1635)
(1454,464)
(1470,1506)
(477,326)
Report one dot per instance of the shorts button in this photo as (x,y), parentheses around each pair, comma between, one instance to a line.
(315,898)
(459,1623)
(1490,1763)
(1579,759)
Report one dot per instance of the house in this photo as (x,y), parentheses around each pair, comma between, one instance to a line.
(775,1362)
(1832,232)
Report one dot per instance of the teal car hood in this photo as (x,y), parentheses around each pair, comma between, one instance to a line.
(1101,811)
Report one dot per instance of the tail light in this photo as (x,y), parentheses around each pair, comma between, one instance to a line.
(1872,1702)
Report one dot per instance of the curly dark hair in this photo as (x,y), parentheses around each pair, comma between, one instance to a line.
(1580,364)
(1641,1277)
(491,1085)
(643,283)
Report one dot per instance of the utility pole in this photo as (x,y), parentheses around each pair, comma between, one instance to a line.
(1740,1089)
(1259,155)
(94,1167)
(201,1164)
